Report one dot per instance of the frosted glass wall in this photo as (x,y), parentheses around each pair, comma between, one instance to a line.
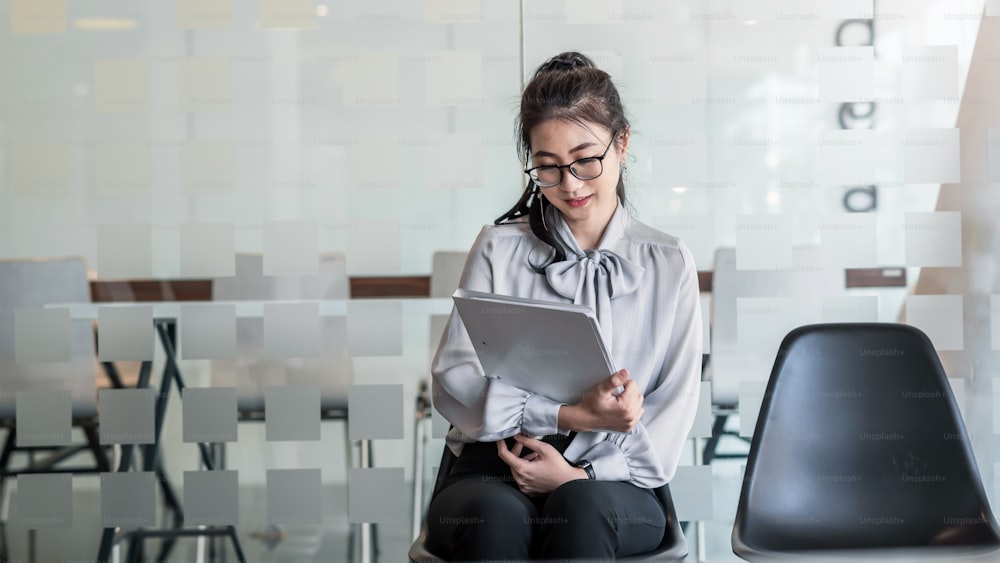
(158,140)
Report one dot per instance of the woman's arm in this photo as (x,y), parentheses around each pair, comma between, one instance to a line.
(482,408)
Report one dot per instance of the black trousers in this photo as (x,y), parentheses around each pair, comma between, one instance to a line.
(479,513)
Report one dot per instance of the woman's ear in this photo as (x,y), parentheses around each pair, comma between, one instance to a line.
(625,135)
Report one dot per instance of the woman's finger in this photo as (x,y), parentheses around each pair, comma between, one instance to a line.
(504,453)
(517,449)
(531,443)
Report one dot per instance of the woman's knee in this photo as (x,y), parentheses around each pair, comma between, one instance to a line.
(578,507)
(600,519)
(579,497)
(473,517)
(477,497)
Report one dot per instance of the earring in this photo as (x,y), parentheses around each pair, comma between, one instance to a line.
(541,205)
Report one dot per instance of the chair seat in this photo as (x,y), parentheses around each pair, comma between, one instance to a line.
(934,554)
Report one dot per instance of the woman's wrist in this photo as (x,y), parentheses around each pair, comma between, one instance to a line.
(573,418)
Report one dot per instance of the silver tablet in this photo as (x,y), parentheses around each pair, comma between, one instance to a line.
(552,349)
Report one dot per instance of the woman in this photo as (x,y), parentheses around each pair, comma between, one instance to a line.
(535,478)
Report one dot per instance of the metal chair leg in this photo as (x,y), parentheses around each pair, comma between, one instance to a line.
(349,453)
(237,547)
(418,475)
(4,550)
(366,541)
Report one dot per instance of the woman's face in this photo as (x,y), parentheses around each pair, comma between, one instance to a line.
(586,205)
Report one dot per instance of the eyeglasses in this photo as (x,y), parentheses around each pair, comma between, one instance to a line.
(588,168)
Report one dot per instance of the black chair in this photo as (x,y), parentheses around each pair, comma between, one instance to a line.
(860,449)
(673,546)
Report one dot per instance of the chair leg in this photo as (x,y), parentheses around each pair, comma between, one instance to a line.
(173,504)
(372,544)
(32,545)
(718,425)
(349,462)
(107,541)
(418,470)
(5,493)
(111,371)
(699,526)
(237,547)
(94,444)
(8,449)
(4,549)
(134,554)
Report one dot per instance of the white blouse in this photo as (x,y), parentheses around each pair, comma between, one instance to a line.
(643,286)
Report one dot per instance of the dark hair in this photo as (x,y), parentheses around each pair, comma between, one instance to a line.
(568,86)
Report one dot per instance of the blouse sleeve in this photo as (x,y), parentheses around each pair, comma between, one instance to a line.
(648,456)
(480,407)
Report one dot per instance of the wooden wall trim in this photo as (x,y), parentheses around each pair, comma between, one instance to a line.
(102,291)
(392,286)
(150,290)
(875,277)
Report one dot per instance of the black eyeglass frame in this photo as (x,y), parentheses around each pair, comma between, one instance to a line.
(600,159)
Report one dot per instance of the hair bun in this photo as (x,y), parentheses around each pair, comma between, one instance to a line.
(566,61)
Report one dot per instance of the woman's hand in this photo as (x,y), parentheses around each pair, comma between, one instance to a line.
(540,472)
(603,409)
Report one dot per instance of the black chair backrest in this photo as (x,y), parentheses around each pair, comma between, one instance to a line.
(859,444)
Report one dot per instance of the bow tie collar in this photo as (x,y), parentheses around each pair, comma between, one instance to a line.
(593,277)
